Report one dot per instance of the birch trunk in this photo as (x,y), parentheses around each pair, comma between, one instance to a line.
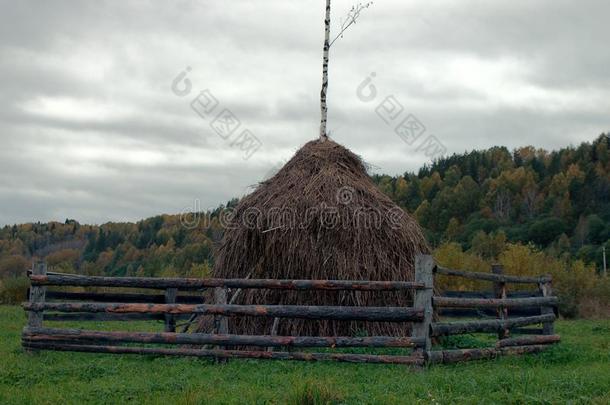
(323,108)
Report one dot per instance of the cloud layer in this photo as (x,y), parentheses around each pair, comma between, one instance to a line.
(90,127)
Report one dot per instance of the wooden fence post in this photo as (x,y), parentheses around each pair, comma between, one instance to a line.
(170,320)
(424,267)
(274,328)
(500,292)
(37,295)
(221,323)
(546,289)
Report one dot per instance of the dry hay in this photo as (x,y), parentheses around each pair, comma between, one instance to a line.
(319,217)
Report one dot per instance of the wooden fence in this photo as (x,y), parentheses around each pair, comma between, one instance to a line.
(182,298)
(538,306)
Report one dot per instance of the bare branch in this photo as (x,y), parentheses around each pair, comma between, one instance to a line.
(351,18)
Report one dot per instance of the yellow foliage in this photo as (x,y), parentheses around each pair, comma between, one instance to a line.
(64,259)
(200,270)
(580,290)
(451,255)
(574,172)
(521,260)
(401,188)
(453,228)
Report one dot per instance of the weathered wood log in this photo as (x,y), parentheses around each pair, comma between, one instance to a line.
(120,297)
(490,294)
(424,265)
(373,314)
(494,302)
(170,320)
(500,292)
(79,336)
(529,340)
(274,328)
(490,277)
(526,331)
(197,283)
(102,316)
(28,273)
(453,356)
(515,350)
(492,325)
(37,295)
(483,312)
(345,357)
(221,323)
(546,289)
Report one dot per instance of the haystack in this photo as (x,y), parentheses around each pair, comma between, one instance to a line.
(320,217)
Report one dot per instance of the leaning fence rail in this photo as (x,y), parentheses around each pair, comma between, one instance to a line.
(182,298)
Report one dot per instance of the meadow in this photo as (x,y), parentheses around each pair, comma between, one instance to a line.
(575,371)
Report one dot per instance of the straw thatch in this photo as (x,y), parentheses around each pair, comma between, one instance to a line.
(319,217)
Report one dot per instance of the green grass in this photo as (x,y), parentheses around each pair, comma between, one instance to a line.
(575,371)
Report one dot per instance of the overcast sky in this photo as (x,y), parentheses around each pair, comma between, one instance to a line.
(92,127)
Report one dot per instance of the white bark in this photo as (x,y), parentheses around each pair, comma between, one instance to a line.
(323,108)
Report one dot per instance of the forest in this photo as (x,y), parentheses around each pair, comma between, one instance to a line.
(530,209)
(557,201)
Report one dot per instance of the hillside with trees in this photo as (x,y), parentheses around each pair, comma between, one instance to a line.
(532,210)
(557,201)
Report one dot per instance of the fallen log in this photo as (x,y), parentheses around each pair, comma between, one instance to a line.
(79,336)
(197,283)
(492,325)
(374,314)
(227,354)
(494,302)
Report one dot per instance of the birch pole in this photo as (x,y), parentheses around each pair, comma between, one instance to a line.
(323,108)
(352,16)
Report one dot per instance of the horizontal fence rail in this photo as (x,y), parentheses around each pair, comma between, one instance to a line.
(229,354)
(491,325)
(374,314)
(84,336)
(454,356)
(528,340)
(453,312)
(120,297)
(101,317)
(494,302)
(198,283)
(501,278)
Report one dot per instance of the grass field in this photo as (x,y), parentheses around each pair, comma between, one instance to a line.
(575,371)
